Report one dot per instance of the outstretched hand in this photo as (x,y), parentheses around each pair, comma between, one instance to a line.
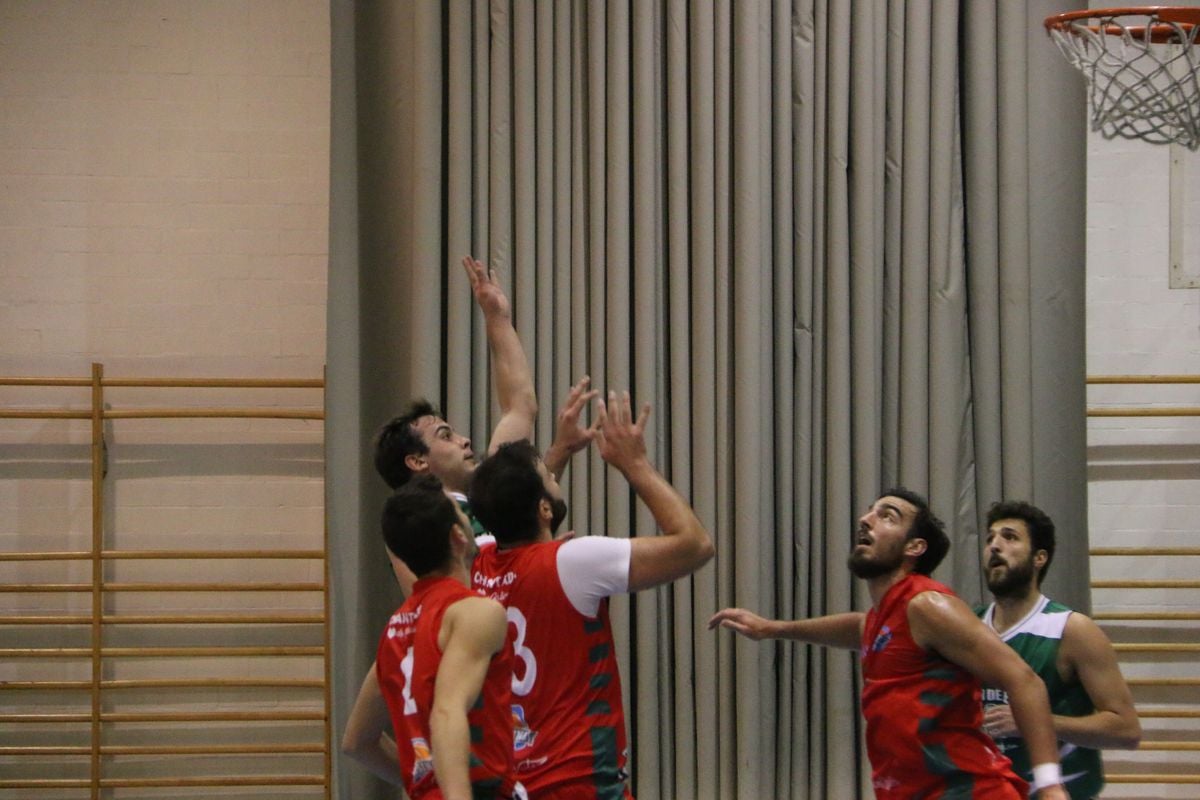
(491,298)
(619,437)
(739,620)
(569,438)
(568,434)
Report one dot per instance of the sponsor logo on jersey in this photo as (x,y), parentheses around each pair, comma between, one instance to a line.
(491,583)
(882,640)
(422,759)
(401,623)
(994,697)
(886,782)
(523,735)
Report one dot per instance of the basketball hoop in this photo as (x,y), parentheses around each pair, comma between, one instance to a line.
(1142,67)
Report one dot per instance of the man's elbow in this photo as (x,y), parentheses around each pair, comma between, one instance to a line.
(1130,736)
(351,746)
(704,549)
(527,404)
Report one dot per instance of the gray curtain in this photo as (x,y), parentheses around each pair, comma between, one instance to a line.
(837,245)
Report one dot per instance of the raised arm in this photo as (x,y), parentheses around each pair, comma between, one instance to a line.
(835,630)
(684,545)
(473,630)
(945,624)
(366,739)
(569,437)
(1086,654)
(510,367)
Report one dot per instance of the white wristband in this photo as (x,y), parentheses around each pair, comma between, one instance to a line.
(1045,775)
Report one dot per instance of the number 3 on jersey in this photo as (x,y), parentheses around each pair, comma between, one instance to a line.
(523,685)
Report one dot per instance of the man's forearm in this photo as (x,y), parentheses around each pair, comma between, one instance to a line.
(556,459)
(836,630)
(1031,711)
(671,512)
(514,378)
(450,742)
(1102,730)
(380,758)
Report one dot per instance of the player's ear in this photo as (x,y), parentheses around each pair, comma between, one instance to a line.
(459,539)
(915,547)
(416,462)
(1040,558)
(545,510)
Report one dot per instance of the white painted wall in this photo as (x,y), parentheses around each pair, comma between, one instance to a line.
(1144,473)
(163,210)
(163,166)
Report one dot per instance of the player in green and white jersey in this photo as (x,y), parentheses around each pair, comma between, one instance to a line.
(420,441)
(1093,708)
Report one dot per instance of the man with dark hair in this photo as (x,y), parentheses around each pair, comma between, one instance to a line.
(923,656)
(1092,705)
(420,441)
(567,709)
(442,678)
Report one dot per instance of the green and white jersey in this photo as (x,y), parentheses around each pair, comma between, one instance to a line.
(476,526)
(1036,639)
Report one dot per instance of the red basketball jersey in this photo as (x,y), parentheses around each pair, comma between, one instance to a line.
(569,736)
(923,713)
(407,664)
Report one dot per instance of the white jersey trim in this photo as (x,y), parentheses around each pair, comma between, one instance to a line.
(592,568)
(1037,621)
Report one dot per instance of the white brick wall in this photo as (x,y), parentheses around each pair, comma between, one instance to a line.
(164,174)
(1144,473)
(163,210)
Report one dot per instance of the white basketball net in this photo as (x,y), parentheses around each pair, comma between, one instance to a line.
(1139,89)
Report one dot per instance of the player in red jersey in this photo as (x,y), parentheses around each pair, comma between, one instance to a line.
(924,654)
(570,726)
(443,673)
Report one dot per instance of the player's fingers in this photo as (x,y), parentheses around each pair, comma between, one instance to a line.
(720,616)
(612,410)
(576,395)
(579,387)
(469,268)
(581,403)
(643,417)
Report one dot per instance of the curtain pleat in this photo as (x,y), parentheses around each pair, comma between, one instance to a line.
(817,236)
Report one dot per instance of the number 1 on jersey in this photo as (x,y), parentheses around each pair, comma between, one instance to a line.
(406,669)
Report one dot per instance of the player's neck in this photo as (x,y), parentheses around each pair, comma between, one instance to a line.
(543,535)
(455,569)
(879,585)
(1012,608)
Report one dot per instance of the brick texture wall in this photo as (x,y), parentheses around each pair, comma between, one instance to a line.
(163,211)
(1144,473)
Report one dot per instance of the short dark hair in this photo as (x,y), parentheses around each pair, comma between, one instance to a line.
(1041,527)
(397,440)
(416,524)
(505,491)
(925,526)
